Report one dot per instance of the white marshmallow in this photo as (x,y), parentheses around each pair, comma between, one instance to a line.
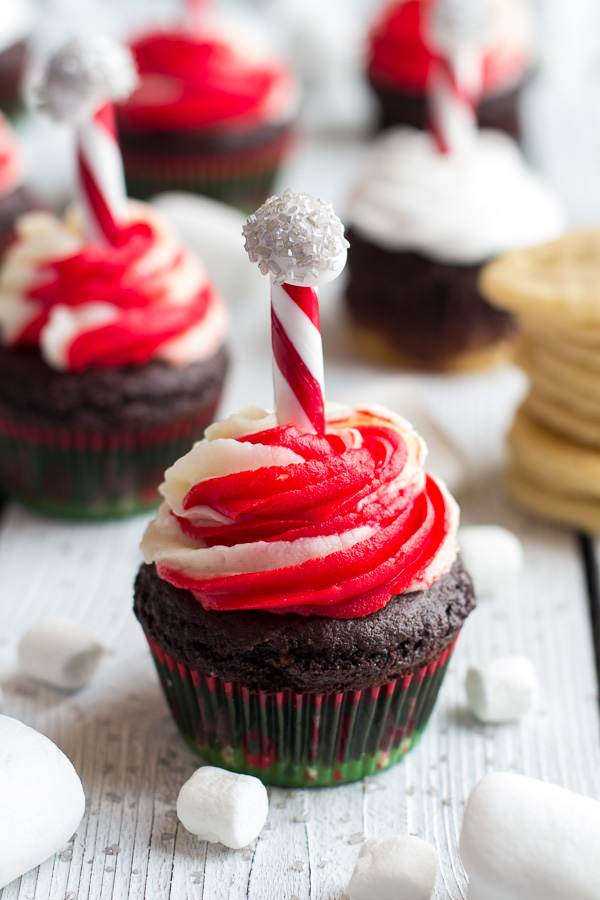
(492,556)
(60,652)
(42,800)
(222,806)
(523,839)
(390,868)
(501,689)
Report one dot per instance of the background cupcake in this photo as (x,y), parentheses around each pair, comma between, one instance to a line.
(400,58)
(112,360)
(213,114)
(14,196)
(16,25)
(431,207)
(301,593)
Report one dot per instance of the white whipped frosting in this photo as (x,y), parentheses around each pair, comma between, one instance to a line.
(459,208)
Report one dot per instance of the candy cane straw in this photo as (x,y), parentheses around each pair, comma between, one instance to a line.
(298,241)
(80,80)
(457,31)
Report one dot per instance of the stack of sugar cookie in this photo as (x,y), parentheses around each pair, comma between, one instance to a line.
(554,291)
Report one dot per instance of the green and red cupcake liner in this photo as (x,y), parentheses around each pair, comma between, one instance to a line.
(241,177)
(91,474)
(299,740)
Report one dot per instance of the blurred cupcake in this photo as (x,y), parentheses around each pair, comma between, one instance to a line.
(431,207)
(15,199)
(112,360)
(16,25)
(400,57)
(301,592)
(422,223)
(213,114)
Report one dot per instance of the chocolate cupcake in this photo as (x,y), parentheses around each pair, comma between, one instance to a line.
(400,59)
(211,115)
(422,223)
(301,593)
(112,364)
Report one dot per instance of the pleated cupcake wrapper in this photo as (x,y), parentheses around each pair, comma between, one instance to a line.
(88,474)
(296,740)
(242,178)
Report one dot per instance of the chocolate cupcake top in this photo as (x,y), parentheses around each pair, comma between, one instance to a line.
(264,516)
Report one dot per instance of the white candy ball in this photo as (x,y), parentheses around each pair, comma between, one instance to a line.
(502,689)
(296,239)
(399,867)
(60,652)
(221,806)
(492,556)
(522,839)
(42,800)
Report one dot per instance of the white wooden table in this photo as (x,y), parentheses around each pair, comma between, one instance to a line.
(121,738)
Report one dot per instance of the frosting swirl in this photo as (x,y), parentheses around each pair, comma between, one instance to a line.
(399,57)
(85,305)
(261,516)
(191,83)
(459,208)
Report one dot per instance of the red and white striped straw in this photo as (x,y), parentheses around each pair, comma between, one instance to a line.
(457,33)
(100,179)
(298,378)
(298,241)
(81,80)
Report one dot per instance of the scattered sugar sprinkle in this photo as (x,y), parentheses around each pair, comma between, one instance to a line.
(70,895)
(410,790)
(112,850)
(267,826)
(167,836)
(111,795)
(322,863)
(357,838)
(345,818)
(446,801)
(247,855)
(302,817)
(295,237)
(297,865)
(66,855)
(109,868)
(432,790)
(135,871)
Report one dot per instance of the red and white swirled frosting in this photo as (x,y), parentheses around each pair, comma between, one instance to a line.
(261,516)
(192,83)
(398,55)
(88,306)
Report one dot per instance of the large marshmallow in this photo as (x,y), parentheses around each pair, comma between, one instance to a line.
(523,839)
(222,806)
(60,652)
(390,868)
(501,689)
(492,555)
(41,799)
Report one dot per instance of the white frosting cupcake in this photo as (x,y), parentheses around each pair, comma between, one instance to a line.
(461,208)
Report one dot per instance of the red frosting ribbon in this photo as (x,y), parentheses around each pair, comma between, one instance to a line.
(143,320)
(399,57)
(337,488)
(190,83)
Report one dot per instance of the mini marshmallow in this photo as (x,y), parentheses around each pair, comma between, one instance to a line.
(522,839)
(60,652)
(42,800)
(390,868)
(492,556)
(221,806)
(501,689)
